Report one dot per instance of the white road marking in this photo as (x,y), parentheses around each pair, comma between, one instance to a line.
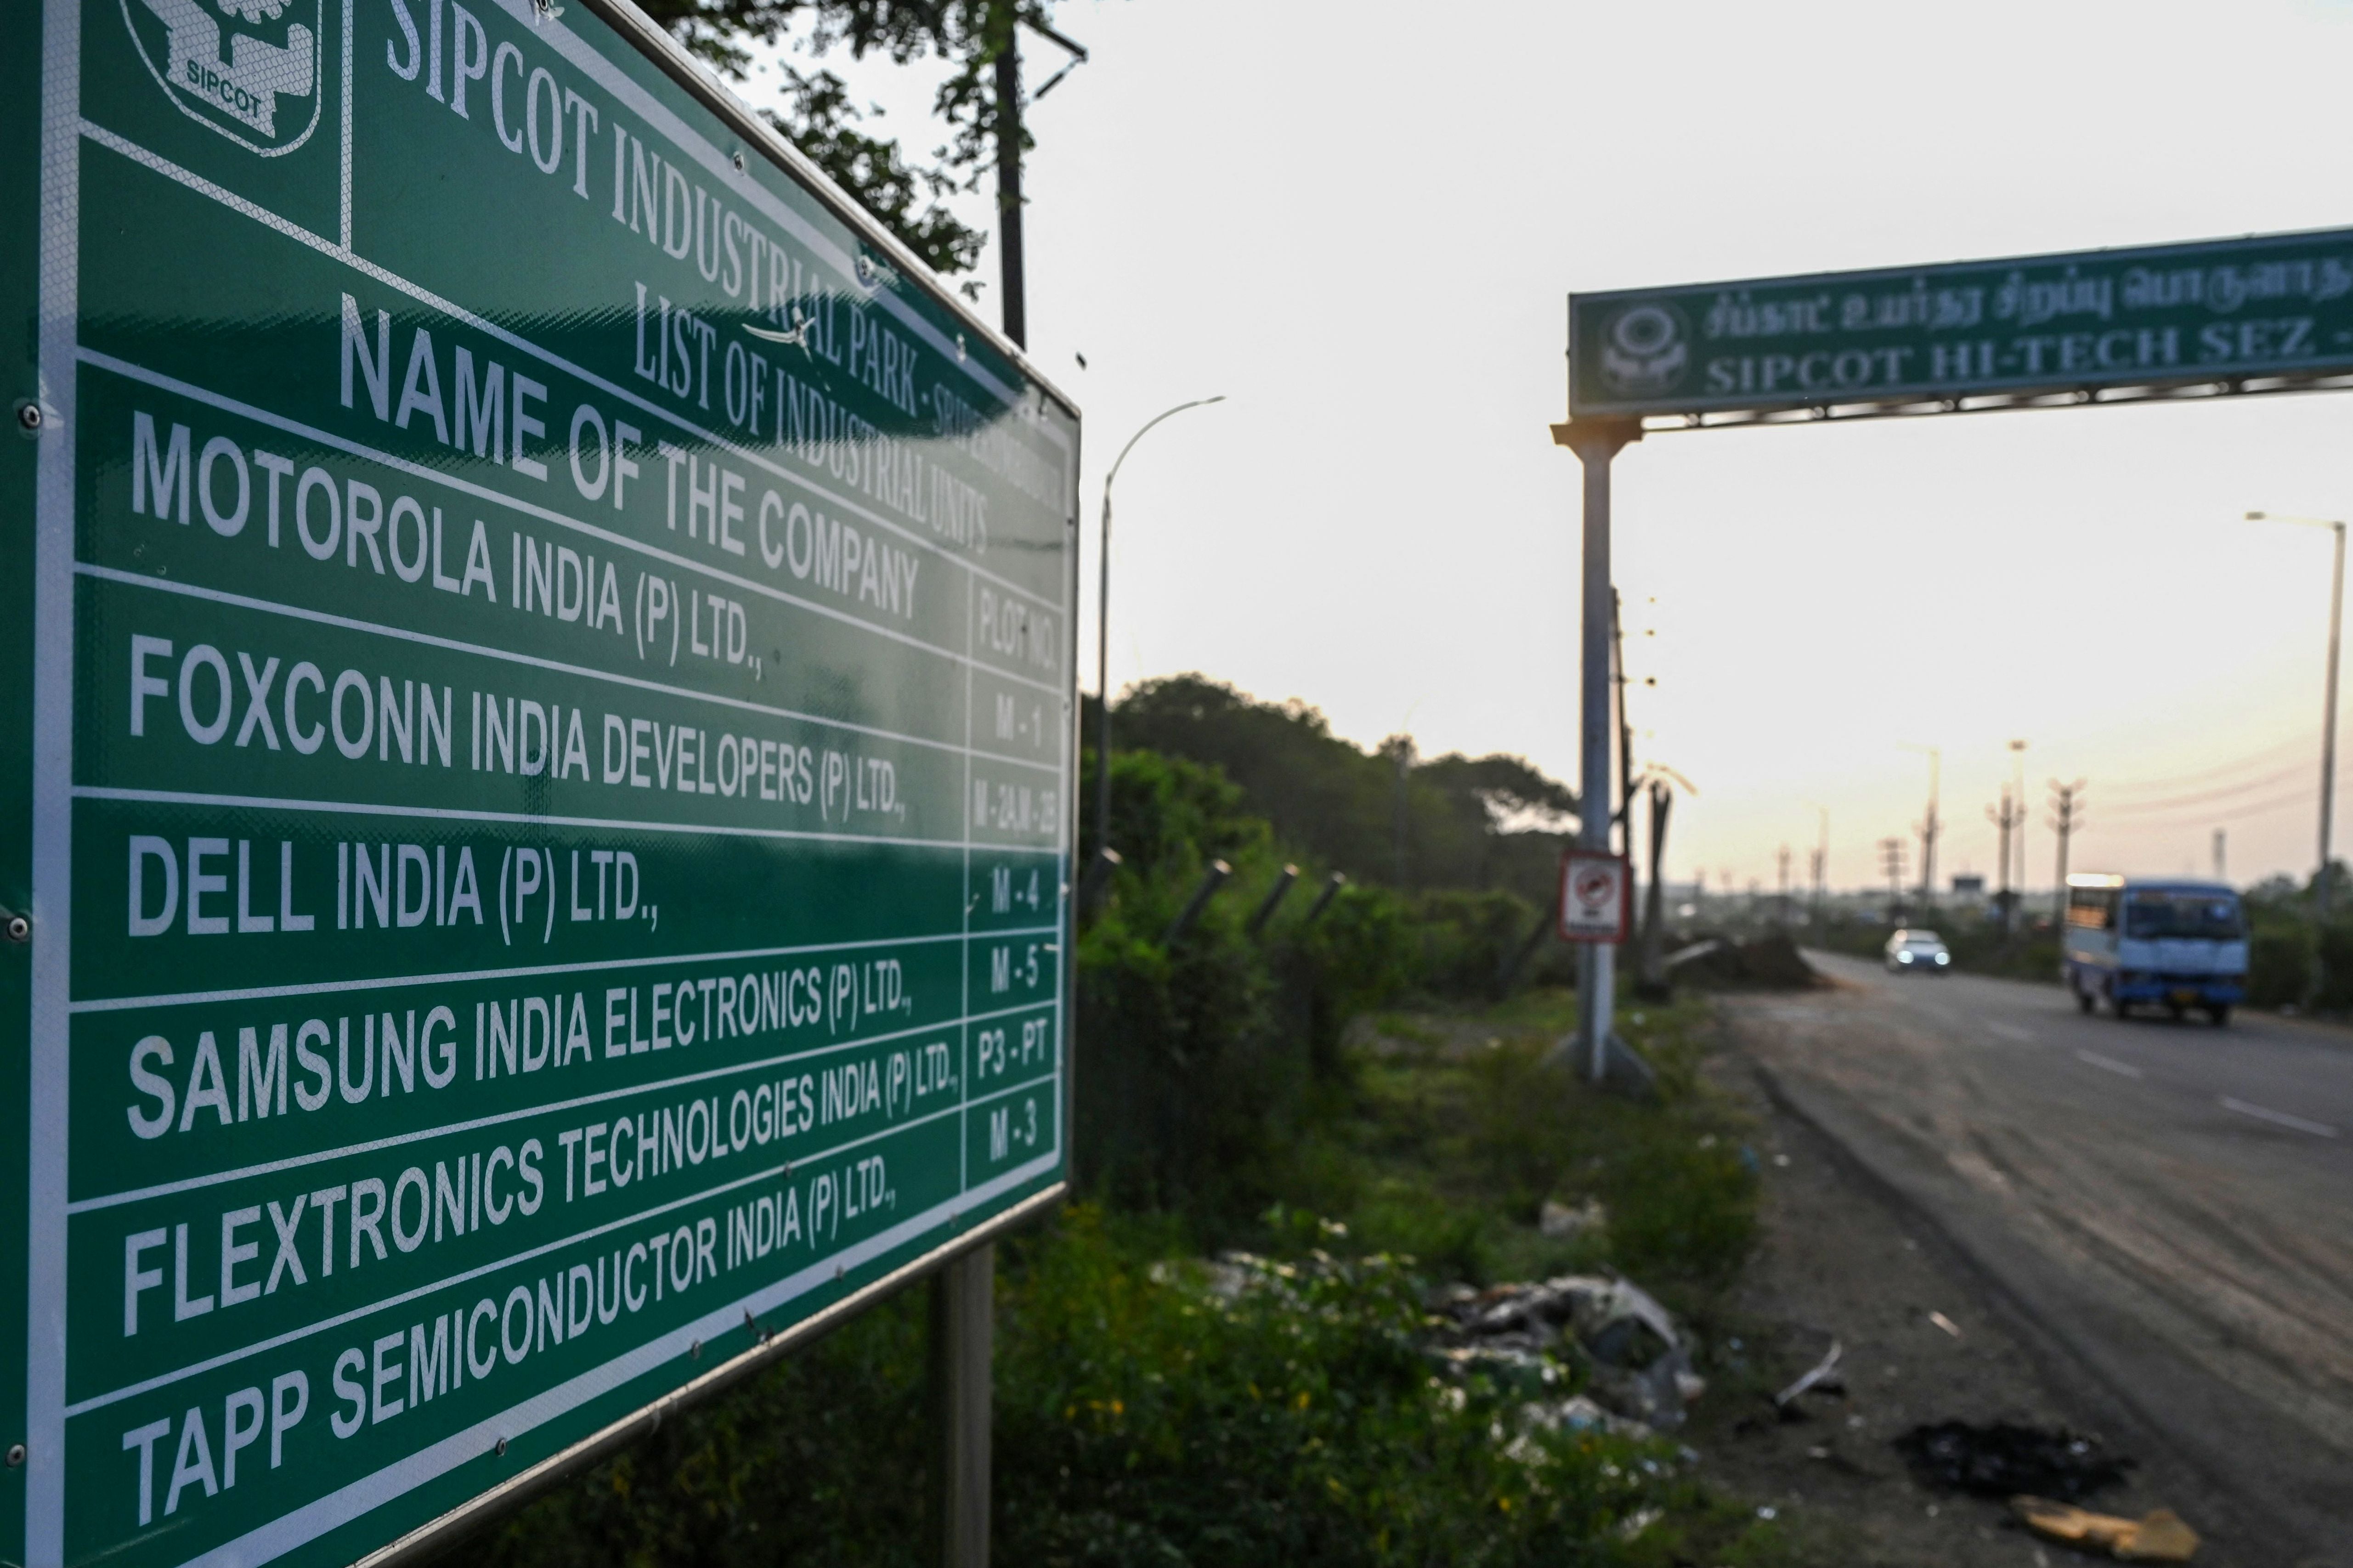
(2317,1129)
(2097,1060)
(2011,1032)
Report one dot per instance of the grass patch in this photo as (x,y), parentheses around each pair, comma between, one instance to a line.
(1453,1131)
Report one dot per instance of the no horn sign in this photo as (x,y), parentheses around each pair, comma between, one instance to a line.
(1596,896)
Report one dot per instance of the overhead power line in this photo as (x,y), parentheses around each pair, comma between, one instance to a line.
(2229,813)
(2219,771)
(2204,796)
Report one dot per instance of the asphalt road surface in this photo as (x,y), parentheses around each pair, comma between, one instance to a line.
(2169,1205)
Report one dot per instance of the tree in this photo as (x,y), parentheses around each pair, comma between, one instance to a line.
(1483,822)
(817,115)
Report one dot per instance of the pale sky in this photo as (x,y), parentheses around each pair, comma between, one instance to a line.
(1359,222)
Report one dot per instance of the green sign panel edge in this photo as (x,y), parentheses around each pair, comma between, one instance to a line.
(48,646)
(2267,306)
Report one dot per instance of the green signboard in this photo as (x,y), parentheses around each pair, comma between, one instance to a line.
(543,792)
(2277,310)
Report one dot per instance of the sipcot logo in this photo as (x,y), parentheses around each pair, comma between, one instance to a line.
(248,69)
(1643,352)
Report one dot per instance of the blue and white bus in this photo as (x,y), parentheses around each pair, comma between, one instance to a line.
(2176,944)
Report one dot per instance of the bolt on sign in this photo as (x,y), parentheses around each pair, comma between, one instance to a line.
(542,796)
(2269,313)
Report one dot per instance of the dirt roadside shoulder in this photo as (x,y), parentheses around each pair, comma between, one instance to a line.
(1847,1251)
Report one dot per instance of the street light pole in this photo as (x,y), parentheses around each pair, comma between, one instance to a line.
(2329,719)
(2328,709)
(1103,631)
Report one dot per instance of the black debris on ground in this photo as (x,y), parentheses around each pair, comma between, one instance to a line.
(1766,964)
(2002,1460)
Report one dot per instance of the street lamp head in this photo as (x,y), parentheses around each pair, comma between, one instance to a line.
(1132,440)
(2299,521)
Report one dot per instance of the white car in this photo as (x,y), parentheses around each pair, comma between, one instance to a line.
(1915,952)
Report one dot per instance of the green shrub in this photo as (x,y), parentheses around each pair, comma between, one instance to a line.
(1140,1418)
(1197,1059)
(1466,939)
(2279,964)
(1182,1072)
(1156,1423)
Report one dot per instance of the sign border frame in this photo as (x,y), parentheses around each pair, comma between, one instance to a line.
(57,179)
(2025,393)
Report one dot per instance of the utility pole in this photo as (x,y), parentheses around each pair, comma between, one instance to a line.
(1654,912)
(1398,811)
(1820,858)
(2066,816)
(1014,306)
(1929,825)
(1781,905)
(2221,871)
(964,1292)
(2018,830)
(1625,759)
(1625,722)
(2006,818)
(1891,858)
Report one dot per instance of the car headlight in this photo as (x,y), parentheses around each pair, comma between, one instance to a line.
(1944,958)
(1902,958)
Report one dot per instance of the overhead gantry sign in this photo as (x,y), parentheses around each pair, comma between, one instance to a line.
(2272,313)
(2267,313)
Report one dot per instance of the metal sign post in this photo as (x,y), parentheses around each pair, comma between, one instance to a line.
(542,797)
(1595,443)
(963,1337)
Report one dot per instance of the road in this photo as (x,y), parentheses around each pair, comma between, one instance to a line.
(2169,1205)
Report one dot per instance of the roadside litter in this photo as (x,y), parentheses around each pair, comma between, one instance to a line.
(1946,1323)
(2003,1460)
(1640,1363)
(2157,1537)
(1823,1377)
(1562,1222)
